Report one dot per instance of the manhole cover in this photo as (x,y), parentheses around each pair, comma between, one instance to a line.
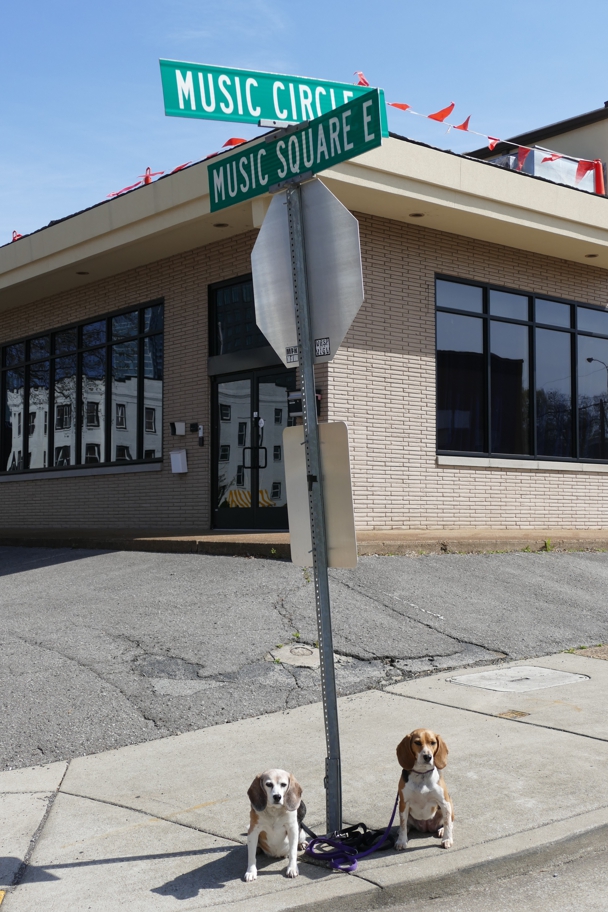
(301,651)
(518,679)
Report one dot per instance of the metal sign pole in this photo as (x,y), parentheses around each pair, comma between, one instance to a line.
(333,776)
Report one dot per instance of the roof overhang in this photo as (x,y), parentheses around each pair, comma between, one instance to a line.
(455,194)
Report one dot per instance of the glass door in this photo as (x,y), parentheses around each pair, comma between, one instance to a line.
(249,480)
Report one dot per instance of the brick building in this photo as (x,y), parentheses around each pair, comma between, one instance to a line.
(474,379)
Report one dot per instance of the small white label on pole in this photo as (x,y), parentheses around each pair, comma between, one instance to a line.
(291,354)
(322,347)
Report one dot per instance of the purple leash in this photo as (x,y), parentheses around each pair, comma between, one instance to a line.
(343,857)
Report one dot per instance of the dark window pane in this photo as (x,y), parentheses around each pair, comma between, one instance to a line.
(65,410)
(125,325)
(39,414)
(553,393)
(94,333)
(153,393)
(124,401)
(510,386)
(14,354)
(514,306)
(553,312)
(66,341)
(594,321)
(459,296)
(153,318)
(40,348)
(235,326)
(593,397)
(13,438)
(460,383)
(94,404)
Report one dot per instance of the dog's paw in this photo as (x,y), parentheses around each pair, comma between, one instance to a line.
(401,844)
(439,833)
(302,845)
(447,843)
(251,874)
(292,871)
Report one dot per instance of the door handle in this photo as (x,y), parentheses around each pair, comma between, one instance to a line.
(257,457)
(245,449)
(260,449)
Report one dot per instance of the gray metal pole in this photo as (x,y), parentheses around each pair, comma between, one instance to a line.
(333,776)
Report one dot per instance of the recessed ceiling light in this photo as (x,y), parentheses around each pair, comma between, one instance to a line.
(82,273)
(221,225)
(416,214)
(591,256)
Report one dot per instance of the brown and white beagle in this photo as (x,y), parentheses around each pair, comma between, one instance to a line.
(424,802)
(277,811)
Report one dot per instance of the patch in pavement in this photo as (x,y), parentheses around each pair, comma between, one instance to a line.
(158,666)
(518,679)
(171,687)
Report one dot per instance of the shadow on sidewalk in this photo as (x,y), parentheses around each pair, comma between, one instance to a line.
(19,560)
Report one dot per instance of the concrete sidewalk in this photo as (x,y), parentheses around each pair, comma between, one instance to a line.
(161,825)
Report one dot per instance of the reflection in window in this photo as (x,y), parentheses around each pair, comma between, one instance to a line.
(276,490)
(240,475)
(278,416)
(224,452)
(593,397)
(460,383)
(234,319)
(56,396)
(65,408)
(224,412)
(458,296)
(94,398)
(553,393)
(39,388)
(509,383)
(276,453)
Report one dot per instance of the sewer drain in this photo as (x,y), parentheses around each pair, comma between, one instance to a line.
(518,679)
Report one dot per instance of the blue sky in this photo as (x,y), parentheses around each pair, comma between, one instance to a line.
(81,110)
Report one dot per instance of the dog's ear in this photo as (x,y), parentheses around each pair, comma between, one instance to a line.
(257,795)
(405,754)
(441,754)
(293,794)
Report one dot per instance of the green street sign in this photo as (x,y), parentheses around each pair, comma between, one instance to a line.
(350,130)
(248,96)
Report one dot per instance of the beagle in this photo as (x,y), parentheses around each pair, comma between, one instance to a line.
(424,802)
(277,811)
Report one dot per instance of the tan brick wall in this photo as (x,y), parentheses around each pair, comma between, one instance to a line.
(382,383)
(155,500)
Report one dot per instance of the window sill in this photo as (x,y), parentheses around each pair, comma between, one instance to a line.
(77,473)
(527,465)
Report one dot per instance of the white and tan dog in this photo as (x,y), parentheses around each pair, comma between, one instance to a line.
(424,802)
(277,810)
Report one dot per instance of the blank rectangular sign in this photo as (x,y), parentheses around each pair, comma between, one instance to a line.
(337,494)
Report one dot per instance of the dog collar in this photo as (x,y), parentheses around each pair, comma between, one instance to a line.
(407,773)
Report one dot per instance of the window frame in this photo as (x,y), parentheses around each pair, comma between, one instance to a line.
(531,323)
(78,418)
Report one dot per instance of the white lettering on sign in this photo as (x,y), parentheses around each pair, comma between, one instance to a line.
(318,92)
(291,354)
(306,103)
(322,347)
(263,181)
(255,112)
(222,82)
(281,114)
(185,89)
(346,130)
(218,184)
(208,106)
(366,119)
(282,172)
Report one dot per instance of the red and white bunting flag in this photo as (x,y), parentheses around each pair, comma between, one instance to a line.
(149,175)
(234,141)
(493,142)
(522,154)
(583,167)
(441,115)
(551,158)
(362,80)
(464,125)
(181,167)
(124,190)
(398,104)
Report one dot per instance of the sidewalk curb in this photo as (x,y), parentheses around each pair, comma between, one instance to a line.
(432,880)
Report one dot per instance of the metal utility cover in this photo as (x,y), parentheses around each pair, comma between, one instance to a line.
(337,493)
(518,679)
(333,267)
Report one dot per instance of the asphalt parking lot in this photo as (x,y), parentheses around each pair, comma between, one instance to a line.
(102,649)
